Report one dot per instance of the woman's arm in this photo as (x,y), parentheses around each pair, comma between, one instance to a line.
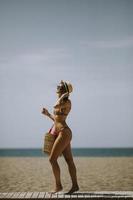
(51,116)
(45,112)
(61,98)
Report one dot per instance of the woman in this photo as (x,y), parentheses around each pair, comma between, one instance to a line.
(63,136)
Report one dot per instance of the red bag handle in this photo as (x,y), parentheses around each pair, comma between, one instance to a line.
(51,128)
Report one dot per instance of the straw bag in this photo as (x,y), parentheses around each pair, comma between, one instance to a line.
(49,140)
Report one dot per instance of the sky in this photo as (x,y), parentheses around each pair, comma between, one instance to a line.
(86,42)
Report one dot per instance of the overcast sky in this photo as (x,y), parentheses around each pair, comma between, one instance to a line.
(86,42)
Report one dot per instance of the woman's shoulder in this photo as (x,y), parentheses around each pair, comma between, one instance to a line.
(63,103)
(68,101)
(66,104)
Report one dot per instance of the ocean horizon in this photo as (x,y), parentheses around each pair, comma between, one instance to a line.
(77,152)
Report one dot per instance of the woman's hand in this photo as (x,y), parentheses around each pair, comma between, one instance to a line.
(45,112)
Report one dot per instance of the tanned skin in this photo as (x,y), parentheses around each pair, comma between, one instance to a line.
(62,144)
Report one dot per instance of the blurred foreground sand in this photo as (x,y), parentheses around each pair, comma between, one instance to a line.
(94,174)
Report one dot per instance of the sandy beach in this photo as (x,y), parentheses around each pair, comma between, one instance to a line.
(94,174)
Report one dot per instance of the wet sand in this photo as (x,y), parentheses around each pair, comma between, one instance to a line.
(93,173)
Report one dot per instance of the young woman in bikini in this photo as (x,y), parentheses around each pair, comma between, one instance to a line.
(63,136)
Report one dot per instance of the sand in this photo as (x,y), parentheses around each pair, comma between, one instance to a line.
(94,174)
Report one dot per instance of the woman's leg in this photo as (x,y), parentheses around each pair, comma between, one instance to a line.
(67,153)
(60,144)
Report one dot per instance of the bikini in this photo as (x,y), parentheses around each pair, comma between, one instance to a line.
(53,132)
(52,129)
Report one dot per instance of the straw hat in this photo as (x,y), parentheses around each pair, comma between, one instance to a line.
(69,86)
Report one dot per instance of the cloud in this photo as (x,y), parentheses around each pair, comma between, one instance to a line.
(45,55)
(48,55)
(125,43)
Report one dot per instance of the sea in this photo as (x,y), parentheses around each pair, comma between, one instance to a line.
(77,152)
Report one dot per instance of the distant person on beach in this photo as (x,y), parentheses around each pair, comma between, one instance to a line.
(63,136)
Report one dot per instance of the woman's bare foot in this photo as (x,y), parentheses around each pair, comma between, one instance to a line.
(57,189)
(73,189)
